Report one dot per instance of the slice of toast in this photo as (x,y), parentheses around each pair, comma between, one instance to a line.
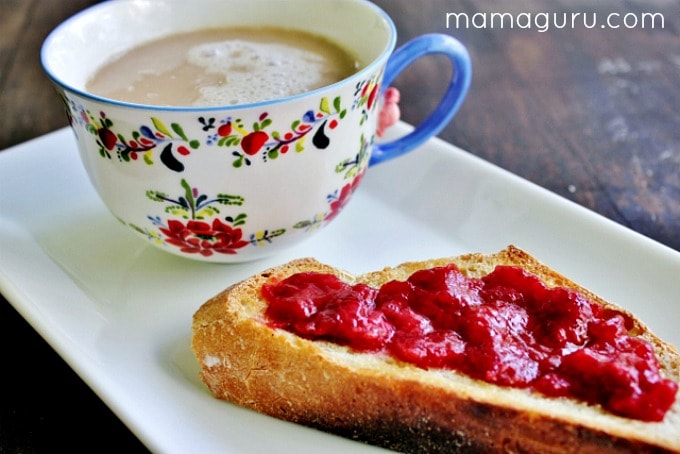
(379,400)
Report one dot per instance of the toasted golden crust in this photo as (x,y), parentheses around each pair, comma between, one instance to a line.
(379,400)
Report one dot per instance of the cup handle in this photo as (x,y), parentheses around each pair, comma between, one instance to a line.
(449,104)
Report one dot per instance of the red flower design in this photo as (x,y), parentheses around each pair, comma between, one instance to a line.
(343,198)
(372,96)
(198,237)
(224,130)
(253,142)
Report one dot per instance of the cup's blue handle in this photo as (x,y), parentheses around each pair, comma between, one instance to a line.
(450,102)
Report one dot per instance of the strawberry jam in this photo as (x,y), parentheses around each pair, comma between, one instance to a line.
(506,328)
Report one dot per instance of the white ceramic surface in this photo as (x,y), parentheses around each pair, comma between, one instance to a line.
(119,311)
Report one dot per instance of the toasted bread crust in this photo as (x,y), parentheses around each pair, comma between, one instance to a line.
(382,401)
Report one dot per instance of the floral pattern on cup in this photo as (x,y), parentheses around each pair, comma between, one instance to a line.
(354,170)
(197,225)
(206,225)
(336,202)
(249,142)
(141,143)
(355,166)
(365,96)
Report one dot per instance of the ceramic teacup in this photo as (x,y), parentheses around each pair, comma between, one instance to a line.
(235,183)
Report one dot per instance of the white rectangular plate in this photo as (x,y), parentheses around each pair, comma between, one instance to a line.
(119,311)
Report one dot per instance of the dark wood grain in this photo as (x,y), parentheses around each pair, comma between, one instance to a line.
(589,113)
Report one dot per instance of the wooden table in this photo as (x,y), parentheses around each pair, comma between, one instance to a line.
(588,112)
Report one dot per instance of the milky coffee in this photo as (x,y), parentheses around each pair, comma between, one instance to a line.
(223,67)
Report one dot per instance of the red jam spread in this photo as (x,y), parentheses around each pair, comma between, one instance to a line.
(506,328)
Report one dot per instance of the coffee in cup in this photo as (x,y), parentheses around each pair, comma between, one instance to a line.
(228,66)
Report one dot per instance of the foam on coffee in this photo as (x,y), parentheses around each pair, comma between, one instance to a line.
(223,67)
(282,71)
